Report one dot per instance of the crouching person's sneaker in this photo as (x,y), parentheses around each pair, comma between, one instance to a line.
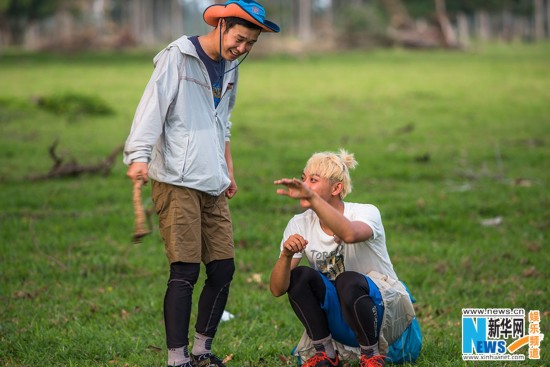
(374,361)
(206,360)
(320,359)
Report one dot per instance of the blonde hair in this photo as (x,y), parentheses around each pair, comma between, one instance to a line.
(333,166)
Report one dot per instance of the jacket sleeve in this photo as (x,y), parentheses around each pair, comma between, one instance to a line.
(232,100)
(153,107)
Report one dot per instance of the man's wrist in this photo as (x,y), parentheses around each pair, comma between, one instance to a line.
(286,255)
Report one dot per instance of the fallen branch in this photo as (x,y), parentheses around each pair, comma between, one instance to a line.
(72,168)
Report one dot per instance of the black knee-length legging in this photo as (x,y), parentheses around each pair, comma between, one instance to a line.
(212,301)
(306,294)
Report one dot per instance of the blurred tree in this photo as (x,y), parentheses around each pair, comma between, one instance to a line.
(359,23)
(17,15)
(425,8)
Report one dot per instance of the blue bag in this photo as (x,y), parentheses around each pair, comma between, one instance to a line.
(407,348)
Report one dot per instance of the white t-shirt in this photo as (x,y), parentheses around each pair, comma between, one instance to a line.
(331,258)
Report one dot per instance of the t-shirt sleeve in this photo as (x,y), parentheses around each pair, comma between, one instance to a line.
(371,215)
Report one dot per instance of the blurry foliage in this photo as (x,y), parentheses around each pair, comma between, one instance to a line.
(28,9)
(354,18)
(12,109)
(361,25)
(74,105)
(424,8)
(16,15)
(12,103)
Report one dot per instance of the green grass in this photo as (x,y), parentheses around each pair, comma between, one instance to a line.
(444,141)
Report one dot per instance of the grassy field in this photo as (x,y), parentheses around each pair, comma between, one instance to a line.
(453,147)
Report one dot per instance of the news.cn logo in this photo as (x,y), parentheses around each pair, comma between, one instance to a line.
(496,334)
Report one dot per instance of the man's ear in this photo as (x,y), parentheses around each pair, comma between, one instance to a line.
(337,188)
(222,24)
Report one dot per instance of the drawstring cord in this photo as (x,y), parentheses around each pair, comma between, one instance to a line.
(222,64)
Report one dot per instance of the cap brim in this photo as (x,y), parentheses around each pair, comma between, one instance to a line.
(213,13)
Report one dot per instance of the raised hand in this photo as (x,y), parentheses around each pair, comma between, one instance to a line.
(296,189)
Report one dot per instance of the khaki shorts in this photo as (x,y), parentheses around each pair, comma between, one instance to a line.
(195,226)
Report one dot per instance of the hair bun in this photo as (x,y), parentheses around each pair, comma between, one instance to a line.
(348,159)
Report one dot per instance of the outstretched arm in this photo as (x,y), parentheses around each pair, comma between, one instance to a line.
(348,231)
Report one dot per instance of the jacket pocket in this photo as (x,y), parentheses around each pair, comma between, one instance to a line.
(174,155)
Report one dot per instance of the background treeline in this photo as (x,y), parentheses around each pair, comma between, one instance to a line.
(74,25)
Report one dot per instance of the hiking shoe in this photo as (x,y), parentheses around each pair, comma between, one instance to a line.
(206,360)
(374,361)
(320,359)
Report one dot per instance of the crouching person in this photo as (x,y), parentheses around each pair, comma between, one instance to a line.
(349,298)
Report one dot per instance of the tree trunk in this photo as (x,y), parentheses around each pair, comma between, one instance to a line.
(482,25)
(177,20)
(463,29)
(304,21)
(538,6)
(16,32)
(447,31)
(399,16)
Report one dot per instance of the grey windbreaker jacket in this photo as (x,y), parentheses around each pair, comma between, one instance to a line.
(176,128)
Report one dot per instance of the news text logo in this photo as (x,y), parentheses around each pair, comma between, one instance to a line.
(497,334)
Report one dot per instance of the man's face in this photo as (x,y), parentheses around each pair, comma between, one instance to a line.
(317,184)
(238,41)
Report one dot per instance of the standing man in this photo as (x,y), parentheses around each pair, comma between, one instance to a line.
(350,292)
(180,140)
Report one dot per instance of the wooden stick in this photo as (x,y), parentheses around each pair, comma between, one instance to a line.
(140,229)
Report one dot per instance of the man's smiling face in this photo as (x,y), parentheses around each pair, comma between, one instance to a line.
(237,41)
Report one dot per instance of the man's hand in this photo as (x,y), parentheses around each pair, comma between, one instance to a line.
(293,245)
(296,189)
(138,170)
(232,189)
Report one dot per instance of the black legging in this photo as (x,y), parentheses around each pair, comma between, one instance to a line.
(307,293)
(212,301)
(357,307)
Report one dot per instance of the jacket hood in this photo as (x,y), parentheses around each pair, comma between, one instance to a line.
(183,44)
